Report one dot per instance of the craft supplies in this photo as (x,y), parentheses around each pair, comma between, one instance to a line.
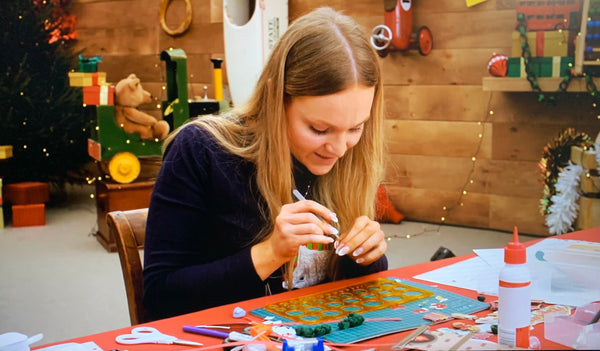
(514,296)
(326,306)
(239,312)
(580,330)
(402,343)
(313,344)
(206,331)
(150,335)
(389,305)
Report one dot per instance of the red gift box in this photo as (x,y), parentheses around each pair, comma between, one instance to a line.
(28,215)
(26,193)
(99,95)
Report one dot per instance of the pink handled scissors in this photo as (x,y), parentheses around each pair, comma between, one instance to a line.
(150,335)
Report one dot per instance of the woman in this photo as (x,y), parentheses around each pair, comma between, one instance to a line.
(223,225)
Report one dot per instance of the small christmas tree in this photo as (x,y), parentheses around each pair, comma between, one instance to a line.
(41,116)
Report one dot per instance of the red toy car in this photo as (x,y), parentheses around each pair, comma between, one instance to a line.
(396,33)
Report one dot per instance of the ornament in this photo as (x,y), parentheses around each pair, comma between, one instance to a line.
(497,65)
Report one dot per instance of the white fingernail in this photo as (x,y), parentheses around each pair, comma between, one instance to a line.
(360,260)
(333,230)
(333,217)
(343,250)
(357,252)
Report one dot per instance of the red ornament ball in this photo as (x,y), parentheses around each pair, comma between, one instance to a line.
(497,65)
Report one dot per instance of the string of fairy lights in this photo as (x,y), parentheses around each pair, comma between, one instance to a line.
(446,210)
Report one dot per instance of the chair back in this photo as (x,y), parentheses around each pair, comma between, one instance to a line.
(128,228)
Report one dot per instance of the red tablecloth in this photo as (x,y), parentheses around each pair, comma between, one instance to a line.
(223,314)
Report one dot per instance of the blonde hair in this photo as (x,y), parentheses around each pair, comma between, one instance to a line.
(321,53)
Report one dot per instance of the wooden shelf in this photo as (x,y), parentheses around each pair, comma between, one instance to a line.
(546,84)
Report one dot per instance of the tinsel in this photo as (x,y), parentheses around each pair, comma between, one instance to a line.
(556,155)
(564,208)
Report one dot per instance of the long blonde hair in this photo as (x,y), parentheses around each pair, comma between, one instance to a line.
(321,53)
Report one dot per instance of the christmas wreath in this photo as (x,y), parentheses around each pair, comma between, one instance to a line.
(561,180)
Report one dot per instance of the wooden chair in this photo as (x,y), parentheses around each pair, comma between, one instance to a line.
(128,228)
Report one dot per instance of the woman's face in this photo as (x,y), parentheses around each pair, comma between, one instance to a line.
(322,128)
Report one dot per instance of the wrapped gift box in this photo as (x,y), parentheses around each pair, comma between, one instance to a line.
(83,79)
(545,43)
(89,64)
(99,95)
(28,215)
(588,213)
(26,193)
(6,151)
(589,183)
(549,15)
(541,66)
(585,158)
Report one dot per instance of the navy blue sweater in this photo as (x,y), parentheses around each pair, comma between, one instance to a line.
(204,212)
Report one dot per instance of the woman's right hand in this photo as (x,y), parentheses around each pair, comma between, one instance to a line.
(297,224)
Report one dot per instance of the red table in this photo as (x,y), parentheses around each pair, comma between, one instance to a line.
(223,314)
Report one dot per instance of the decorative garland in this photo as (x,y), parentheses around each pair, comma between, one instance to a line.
(164,5)
(555,164)
(564,208)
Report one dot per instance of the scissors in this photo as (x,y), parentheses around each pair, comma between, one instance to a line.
(150,335)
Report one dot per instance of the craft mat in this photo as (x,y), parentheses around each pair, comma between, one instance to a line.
(411,314)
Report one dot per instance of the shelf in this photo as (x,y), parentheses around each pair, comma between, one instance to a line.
(546,84)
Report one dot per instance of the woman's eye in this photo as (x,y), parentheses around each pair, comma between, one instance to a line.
(318,131)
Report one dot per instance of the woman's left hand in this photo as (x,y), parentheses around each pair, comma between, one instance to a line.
(365,242)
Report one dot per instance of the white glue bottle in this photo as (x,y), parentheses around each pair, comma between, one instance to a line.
(514,296)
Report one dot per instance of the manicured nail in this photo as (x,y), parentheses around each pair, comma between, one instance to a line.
(333,230)
(360,260)
(343,250)
(335,245)
(333,217)
(358,251)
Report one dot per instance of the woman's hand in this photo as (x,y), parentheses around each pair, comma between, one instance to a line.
(297,224)
(364,243)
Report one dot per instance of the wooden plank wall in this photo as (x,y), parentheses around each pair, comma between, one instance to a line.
(446,135)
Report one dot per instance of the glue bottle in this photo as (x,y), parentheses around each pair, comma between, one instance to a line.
(514,296)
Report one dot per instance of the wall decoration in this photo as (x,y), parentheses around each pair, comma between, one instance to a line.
(184,26)
(558,203)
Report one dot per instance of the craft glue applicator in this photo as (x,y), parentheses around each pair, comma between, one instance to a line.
(514,296)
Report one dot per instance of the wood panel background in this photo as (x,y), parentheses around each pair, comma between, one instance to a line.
(446,135)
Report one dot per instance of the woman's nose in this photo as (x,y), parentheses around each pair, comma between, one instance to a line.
(337,145)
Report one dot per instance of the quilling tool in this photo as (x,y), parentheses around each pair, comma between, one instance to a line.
(335,235)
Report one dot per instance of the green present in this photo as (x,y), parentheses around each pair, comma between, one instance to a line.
(555,66)
(516,67)
(89,64)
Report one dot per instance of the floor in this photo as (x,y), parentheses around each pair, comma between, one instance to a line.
(58,280)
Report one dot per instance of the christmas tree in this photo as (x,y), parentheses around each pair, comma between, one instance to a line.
(40,114)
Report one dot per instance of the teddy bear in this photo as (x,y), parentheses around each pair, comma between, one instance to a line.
(129,94)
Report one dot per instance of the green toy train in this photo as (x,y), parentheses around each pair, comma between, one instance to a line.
(109,142)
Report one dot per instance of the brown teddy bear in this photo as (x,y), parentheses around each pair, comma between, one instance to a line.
(129,94)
